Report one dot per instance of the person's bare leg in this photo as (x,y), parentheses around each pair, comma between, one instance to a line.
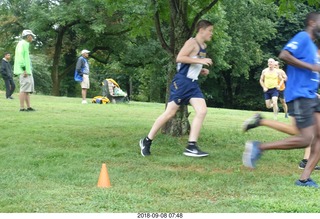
(308,136)
(285,128)
(170,111)
(313,160)
(200,107)
(22,97)
(279,126)
(27,99)
(307,151)
(300,141)
(84,93)
(284,105)
(314,153)
(268,104)
(275,107)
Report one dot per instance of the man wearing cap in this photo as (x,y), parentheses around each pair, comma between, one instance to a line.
(82,68)
(23,68)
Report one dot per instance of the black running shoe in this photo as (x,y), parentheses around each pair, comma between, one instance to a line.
(145,147)
(194,151)
(252,122)
(22,110)
(30,109)
(303,164)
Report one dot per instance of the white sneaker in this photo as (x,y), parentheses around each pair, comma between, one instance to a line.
(84,102)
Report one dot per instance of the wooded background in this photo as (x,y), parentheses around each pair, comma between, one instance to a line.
(136,42)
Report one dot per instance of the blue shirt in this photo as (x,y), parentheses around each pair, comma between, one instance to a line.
(82,65)
(301,83)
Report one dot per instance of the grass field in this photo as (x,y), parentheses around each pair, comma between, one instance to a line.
(50,161)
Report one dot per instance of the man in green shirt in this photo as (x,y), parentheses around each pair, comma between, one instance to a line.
(23,69)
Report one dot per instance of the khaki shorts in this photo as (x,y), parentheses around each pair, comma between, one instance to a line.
(26,84)
(85,84)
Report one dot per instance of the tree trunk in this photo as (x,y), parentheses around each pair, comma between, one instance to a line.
(130,87)
(67,76)
(56,88)
(228,96)
(55,65)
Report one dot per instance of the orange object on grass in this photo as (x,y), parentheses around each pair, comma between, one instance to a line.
(104,181)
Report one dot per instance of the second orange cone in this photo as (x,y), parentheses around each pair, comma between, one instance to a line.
(104,181)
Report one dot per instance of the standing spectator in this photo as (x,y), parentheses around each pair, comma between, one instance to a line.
(6,72)
(82,68)
(23,68)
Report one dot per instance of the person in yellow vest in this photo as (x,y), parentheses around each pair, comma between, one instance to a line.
(269,81)
(281,88)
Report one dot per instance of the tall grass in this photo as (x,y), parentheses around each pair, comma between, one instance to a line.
(50,162)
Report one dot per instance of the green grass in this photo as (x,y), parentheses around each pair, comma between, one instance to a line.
(50,161)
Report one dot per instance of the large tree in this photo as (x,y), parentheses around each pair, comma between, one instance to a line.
(64,27)
(126,37)
(73,25)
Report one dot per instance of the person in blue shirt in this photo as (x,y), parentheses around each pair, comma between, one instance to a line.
(82,67)
(300,54)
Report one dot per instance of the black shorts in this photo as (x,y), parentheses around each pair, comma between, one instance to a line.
(273,92)
(303,110)
(281,94)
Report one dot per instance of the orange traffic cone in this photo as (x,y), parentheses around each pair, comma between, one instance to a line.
(104,181)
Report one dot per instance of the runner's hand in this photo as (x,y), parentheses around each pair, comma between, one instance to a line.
(206,61)
(204,71)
